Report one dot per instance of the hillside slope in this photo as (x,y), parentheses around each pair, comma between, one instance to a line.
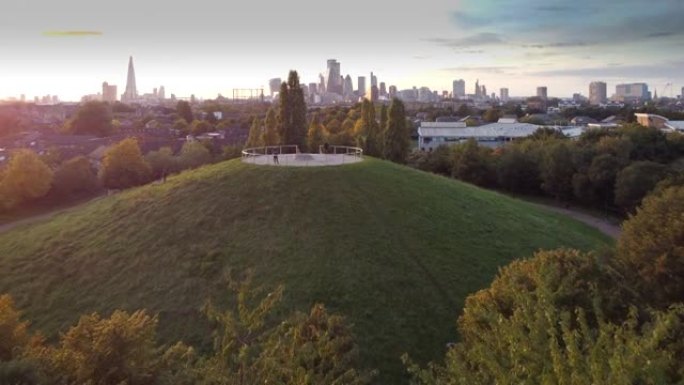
(393,249)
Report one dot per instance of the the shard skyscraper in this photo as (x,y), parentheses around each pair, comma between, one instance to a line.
(131,92)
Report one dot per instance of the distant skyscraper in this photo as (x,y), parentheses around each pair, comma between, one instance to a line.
(321,84)
(542,92)
(383,89)
(373,80)
(361,91)
(313,88)
(274,85)
(392,92)
(459,91)
(333,77)
(162,93)
(503,94)
(635,92)
(598,93)
(348,87)
(483,92)
(109,93)
(131,92)
(478,91)
(374,94)
(681,96)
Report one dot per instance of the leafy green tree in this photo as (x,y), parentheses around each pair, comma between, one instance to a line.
(492,115)
(652,247)
(184,110)
(199,127)
(193,154)
(231,152)
(26,178)
(602,174)
(256,134)
(94,118)
(75,176)
(123,166)
(271,128)
(397,136)
(162,162)
(292,114)
(517,171)
(557,170)
(546,134)
(317,134)
(182,126)
(635,181)
(472,163)
(647,143)
(384,118)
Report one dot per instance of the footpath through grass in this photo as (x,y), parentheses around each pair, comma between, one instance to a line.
(393,249)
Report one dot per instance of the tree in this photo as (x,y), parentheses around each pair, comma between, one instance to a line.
(602,173)
(560,318)
(384,118)
(194,154)
(492,115)
(648,143)
(652,247)
(231,152)
(472,163)
(517,171)
(14,334)
(256,134)
(181,126)
(26,178)
(635,181)
(75,176)
(162,162)
(557,170)
(271,128)
(317,135)
(397,137)
(292,114)
(94,118)
(199,127)
(368,131)
(123,166)
(184,111)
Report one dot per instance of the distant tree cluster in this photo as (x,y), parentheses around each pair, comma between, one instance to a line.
(607,169)
(251,346)
(92,118)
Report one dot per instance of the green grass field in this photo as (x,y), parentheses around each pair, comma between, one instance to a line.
(393,249)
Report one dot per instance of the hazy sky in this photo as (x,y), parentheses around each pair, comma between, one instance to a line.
(208,47)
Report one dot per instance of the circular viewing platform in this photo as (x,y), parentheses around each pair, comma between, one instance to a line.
(290,156)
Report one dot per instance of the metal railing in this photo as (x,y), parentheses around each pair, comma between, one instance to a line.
(343,150)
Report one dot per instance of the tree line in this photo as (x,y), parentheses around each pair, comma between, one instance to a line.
(384,136)
(606,169)
(253,344)
(29,177)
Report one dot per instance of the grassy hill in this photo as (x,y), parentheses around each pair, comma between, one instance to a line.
(393,249)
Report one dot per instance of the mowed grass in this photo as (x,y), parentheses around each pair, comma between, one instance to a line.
(393,249)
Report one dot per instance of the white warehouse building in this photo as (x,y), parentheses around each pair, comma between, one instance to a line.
(434,134)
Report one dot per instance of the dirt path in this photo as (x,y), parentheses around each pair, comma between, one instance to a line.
(600,224)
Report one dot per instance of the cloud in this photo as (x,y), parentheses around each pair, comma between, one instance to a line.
(71,33)
(483,69)
(480,39)
(670,69)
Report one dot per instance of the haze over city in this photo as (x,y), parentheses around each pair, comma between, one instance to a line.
(207,47)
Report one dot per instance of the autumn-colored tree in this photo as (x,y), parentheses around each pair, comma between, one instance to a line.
(123,166)
(270,137)
(26,178)
(317,135)
(14,334)
(256,134)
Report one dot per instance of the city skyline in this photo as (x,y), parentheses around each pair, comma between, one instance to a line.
(538,43)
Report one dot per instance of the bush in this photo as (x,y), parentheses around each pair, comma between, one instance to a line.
(651,247)
(123,166)
(26,178)
(75,176)
(194,154)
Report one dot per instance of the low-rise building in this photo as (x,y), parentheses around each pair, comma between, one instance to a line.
(434,134)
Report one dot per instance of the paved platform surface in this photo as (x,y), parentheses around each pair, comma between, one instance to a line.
(303,160)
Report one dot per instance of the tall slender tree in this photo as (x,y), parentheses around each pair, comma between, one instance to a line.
(397,135)
(271,137)
(316,135)
(370,130)
(292,116)
(256,134)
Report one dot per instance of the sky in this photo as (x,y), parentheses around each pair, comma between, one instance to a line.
(207,47)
